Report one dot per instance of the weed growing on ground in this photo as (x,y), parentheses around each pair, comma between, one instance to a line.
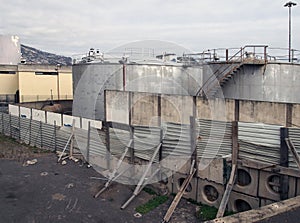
(152,204)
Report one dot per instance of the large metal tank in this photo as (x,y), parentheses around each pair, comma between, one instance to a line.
(90,80)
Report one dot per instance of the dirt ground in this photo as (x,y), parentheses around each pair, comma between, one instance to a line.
(50,192)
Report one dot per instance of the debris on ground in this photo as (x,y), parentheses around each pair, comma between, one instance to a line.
(30,162)
(63,162)
(44,174)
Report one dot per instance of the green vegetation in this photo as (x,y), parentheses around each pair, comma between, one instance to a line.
(149,191)
(206,212)
(6,138)
(152,204)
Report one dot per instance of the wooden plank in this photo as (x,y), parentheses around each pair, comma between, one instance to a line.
(180,194)
(228,190)
(113,174)
(292,148)
(141,181)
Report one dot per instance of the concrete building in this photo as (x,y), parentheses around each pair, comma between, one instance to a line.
(29,83)
(21,82)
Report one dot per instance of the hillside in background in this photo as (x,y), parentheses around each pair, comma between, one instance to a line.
(35,56)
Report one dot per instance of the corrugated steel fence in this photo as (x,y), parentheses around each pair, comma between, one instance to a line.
(257,141)
(214,138)
(260,142)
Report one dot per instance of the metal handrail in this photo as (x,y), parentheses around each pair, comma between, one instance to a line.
(232,59)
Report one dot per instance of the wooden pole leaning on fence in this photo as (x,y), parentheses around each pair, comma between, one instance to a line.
(231,181)
(71,138)
(113,176)
(180,193)
(292,148)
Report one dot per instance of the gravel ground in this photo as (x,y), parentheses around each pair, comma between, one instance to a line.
(50,192)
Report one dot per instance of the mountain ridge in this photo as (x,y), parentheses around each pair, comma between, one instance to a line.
(32,55)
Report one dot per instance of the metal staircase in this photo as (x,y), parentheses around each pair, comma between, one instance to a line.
(231,67)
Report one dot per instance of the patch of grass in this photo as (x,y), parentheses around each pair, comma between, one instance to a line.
(207,213)
(6,138)
(149,191)
(152,204)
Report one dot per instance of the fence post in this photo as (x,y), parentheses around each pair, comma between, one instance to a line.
(235,146)
(284,161)
(55,149)
(41,134)
(2,127)
(72,139)
(88,143)
(10,131)
(107,136)
(30,123)
(19,126)
(193,139)
(46,117)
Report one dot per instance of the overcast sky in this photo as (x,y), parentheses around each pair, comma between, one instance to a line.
(72,27)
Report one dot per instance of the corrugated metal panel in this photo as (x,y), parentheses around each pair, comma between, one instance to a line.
(35,139)
(294,135)
(146,140)
(15,128)
(25,130)
(176,140)
(260,142)
(6,124)
(62,136)
(119,139)
(48,136)
(97,142)
(214,138)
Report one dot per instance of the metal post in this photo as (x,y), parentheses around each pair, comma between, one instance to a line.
(284,161)
(159,124)
(19,125)
(227,53)
(290,5)
(10,132)
(107,138)
(55,143)
(88,143)
(235,146)
(265,54)
(2,118)
(41,134)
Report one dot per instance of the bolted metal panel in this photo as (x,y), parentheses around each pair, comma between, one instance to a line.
(260,142)
(294,135)
(214,138)
(146,139)
(176,140)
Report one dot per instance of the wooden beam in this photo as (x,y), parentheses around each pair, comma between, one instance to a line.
(142,180)
(113,174)
(228,190)
(180,193)
(292,148)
